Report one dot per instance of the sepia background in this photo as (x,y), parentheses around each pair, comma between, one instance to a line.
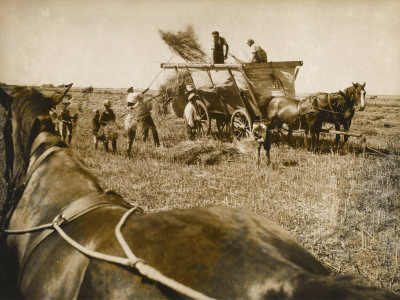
(117,43)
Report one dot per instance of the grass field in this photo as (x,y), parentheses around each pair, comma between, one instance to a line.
(342,206)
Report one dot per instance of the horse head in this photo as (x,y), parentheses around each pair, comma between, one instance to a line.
(357,94)
(27,116)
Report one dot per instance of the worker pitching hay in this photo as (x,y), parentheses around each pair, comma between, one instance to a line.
(185,44)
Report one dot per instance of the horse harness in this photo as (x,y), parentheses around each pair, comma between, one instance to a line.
(83,206)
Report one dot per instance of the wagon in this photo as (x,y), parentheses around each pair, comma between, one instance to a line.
(235,95)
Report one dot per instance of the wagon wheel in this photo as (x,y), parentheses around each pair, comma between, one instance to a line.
(204,126)
(241,124)
(223,126)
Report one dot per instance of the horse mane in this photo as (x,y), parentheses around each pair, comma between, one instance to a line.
(31,109)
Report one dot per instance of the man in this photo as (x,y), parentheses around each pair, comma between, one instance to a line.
(258,53)
(140,113)
(107,118)
(191,117)
(259,133)
(65,122)
(218,49)
(130,123)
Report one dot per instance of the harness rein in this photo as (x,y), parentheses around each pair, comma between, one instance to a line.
(83,206)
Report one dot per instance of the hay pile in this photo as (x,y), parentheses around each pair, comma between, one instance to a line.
(246,146)
(203,152)
(185,44)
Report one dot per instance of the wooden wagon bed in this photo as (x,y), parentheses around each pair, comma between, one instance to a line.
(235,94)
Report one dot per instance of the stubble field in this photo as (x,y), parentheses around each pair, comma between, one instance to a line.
(342,206)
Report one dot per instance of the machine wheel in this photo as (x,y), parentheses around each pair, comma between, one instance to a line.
(223,125)
(203,128)
(241,124)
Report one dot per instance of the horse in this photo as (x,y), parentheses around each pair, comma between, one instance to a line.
(310,113)
(292,112)
(337,108)
(71,239)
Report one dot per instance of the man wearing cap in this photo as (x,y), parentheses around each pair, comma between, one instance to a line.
(258,54)
(107,117)
(191,117)
(218,49)
(65,122)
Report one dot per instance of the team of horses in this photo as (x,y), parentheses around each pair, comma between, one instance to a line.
(70,239)
(310,113)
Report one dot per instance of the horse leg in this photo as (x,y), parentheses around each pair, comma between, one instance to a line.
(346,138)
(306,144)
(289,137)
(105,143)
(317,141)
(337,138)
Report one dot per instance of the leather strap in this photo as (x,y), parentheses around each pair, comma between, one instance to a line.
(331,108)
(73,211)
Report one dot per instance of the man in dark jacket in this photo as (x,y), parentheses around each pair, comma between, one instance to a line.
(108,127)
(218,49)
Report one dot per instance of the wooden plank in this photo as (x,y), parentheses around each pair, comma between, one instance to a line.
(277,64)
(343,133)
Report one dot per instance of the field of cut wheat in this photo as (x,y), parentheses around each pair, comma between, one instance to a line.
(343,206)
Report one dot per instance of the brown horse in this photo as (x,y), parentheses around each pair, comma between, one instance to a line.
(70,239)
(310,113)
(296,114)
(337,108)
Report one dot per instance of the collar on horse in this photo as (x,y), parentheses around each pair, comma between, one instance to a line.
(332,111)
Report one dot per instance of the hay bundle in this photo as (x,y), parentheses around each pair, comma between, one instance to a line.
(246,146)
(108,132)
(185,44)
(203,152)
(172,90)
(174,85)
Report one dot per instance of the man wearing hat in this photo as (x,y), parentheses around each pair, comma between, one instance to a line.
(218,49)
(191,117)
(140,113)
(258,53)
(107,117)
(65,122)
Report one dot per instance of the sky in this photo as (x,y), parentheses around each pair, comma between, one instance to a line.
(116,44)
